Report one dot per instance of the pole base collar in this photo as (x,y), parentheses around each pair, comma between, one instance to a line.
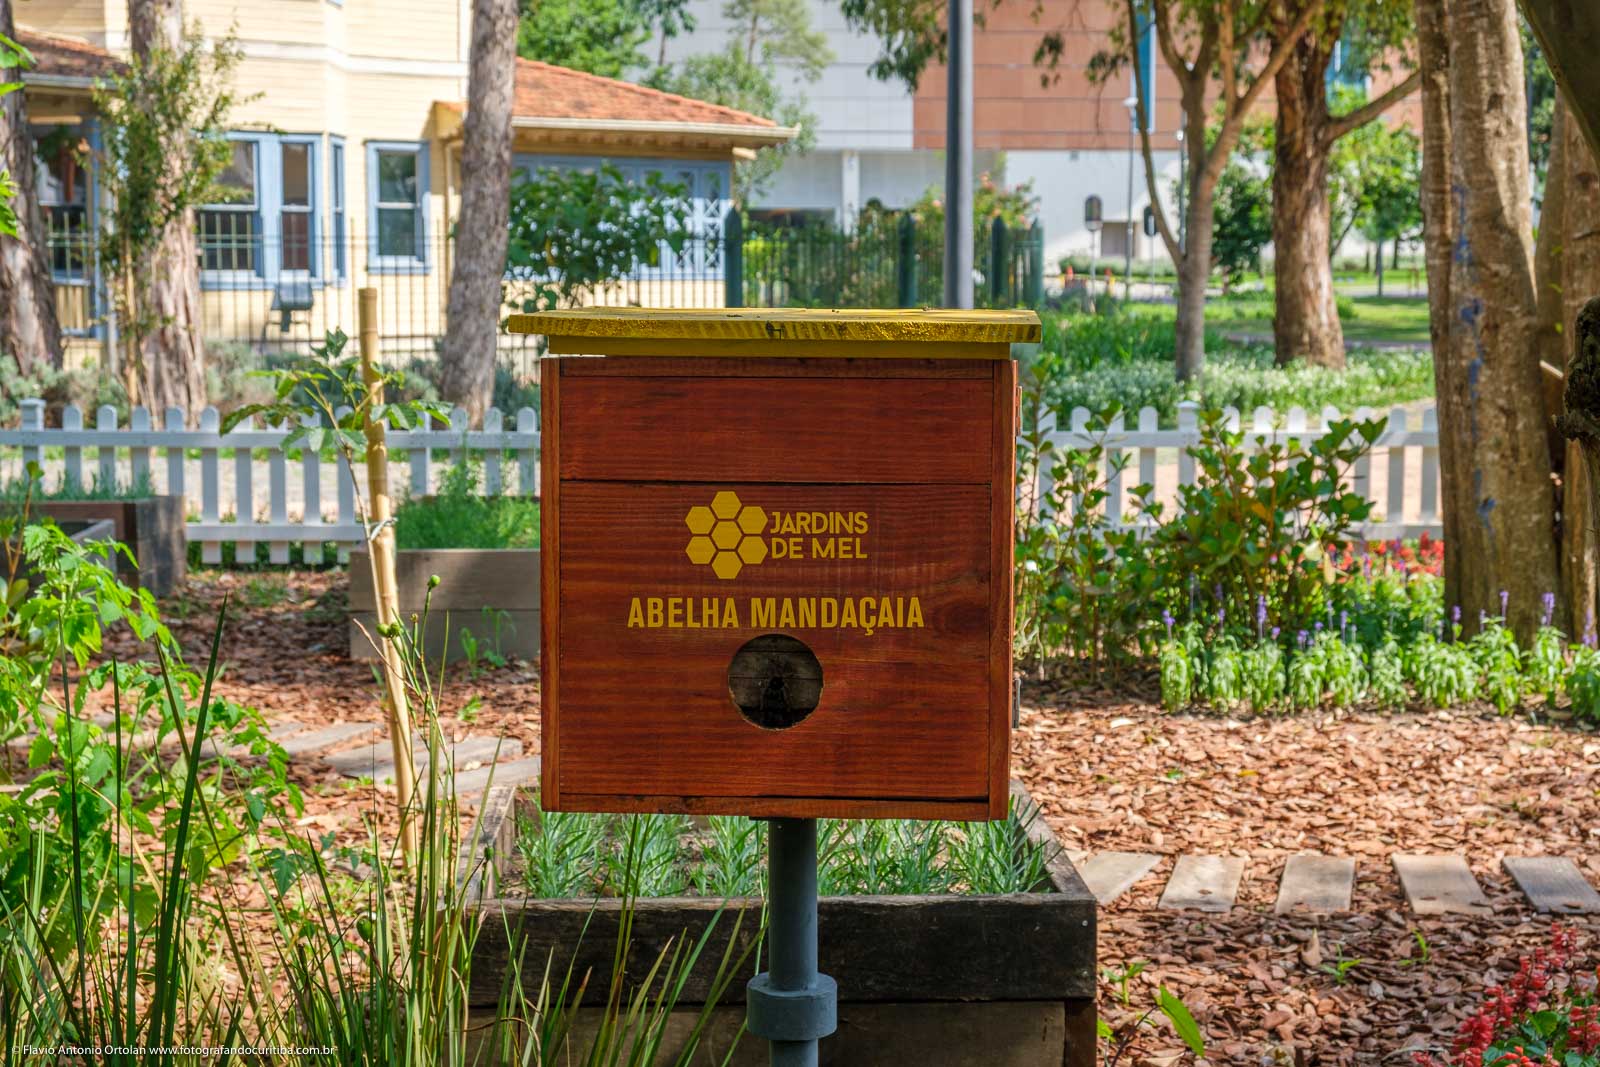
(791,1014)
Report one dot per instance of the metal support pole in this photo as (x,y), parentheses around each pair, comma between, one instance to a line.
(790,1004)
(958,159)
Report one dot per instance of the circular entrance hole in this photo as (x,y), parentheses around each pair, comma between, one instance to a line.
(775,681)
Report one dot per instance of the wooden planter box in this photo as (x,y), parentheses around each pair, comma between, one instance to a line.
(493,593)
(957,981)
(151,527)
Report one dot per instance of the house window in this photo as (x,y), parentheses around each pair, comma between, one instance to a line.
(230,227)
(63,189)
(294,212)
(336,202)
(397,184)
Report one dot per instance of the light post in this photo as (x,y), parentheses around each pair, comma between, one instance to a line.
(1183,180)
(958,159)
(1132,104)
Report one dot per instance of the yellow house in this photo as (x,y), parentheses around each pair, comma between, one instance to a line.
(345,167)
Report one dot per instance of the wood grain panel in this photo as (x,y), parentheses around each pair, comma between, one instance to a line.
(691,367)
(747,429)
(904,711)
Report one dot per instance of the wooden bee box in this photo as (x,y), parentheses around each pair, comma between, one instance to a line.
(777,554)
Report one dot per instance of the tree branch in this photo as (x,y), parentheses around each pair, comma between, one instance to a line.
(1237,111)
(1353,120)
(1169,48)
(1225,53)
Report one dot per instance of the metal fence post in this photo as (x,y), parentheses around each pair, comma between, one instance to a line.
(1035,285)
(905,262)
(733,258)
(998,272)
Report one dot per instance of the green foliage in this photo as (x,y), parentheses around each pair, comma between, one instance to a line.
(1016,205)
(1126,360)
(1005,856)
(578,855)
(770,42)
(603,37)
(13,57)
(1374,177)
(163,125)
(13,493)
(459,516)
(1582,683)
(573,231)
(1242,214)
(1256,525)
(83,787)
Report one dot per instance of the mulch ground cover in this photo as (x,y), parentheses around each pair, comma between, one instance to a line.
(1115,773)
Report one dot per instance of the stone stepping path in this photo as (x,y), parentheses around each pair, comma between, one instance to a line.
(1553,885)
(376,760)
(1316,883)
(1111,874)
(1203,883)
(1440,885)
(1320,884)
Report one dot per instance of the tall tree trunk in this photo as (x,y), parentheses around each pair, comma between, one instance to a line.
(29,331)
(1498,503)
(473,316)
(1194,269)
(1579,236)
(1547,271)
(170,351)
(1306,320)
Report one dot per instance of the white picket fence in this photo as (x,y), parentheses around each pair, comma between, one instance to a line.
(140,442)
(1400,474)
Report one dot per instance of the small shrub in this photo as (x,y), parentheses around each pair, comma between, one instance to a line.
(459,517)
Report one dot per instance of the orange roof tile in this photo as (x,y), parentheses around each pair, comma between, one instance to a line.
(546,91)
(55,56)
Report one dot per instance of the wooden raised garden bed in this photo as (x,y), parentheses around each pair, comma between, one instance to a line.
(151,527)
(953,980)
(491,593)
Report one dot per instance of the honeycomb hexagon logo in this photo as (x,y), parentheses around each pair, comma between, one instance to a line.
(726,536)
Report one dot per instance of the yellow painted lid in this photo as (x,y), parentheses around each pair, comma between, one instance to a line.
(901,326)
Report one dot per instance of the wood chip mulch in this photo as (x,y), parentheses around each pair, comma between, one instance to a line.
(1118,774)
(1112,775)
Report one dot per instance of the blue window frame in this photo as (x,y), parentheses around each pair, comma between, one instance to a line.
(338,231)
(707,183)
(397,207)
(265,225)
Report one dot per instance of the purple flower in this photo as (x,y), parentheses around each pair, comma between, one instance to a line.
(1275,632)
(1301,638)
(1344,622)
(1166,618)
(1261,613)
(1549,602)
(1222,616)
(1504,596)
(1455,615)
(1318,626)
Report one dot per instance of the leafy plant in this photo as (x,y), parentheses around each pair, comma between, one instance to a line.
(1003,856)
(459,516)
(573,231)
(1122,1038)
(732,859)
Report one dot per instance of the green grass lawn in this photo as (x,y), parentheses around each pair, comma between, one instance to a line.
(1365,318)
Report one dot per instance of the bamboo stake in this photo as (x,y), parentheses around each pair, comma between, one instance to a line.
(384,583)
